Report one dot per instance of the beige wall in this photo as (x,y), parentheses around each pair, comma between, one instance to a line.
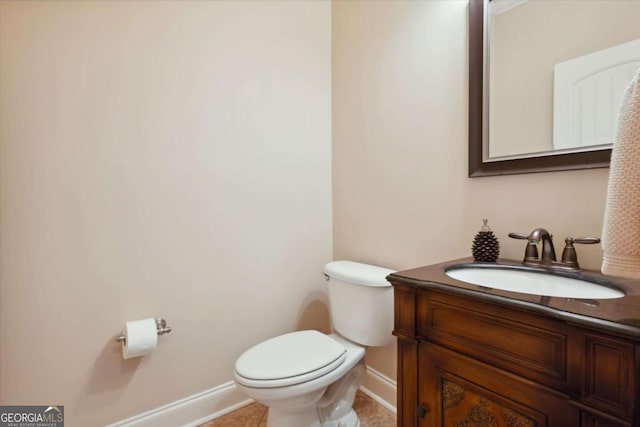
(157,159)
(526,42)
(401,196)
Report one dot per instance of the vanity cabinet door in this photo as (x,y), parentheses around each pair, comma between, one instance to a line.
(457,390)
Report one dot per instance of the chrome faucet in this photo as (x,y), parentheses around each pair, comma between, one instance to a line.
(548,258)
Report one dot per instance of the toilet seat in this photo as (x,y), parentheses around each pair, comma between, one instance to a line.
(289,359)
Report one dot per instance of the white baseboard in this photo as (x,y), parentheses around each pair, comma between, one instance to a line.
(380,388)
(214,403)
(191,411)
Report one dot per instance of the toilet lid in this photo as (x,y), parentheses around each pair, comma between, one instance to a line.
(289,359)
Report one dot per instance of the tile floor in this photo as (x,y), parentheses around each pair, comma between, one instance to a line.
(370,412)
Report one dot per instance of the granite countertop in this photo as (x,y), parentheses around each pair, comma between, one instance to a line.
(619,315)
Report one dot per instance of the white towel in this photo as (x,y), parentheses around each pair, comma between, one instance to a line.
(621,231)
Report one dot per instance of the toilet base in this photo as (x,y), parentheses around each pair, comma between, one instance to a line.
(277,418)
(309,418)
(349,420)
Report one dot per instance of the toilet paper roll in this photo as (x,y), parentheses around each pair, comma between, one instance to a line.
(141,338)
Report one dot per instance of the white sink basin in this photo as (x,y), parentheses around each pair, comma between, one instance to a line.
(532,282)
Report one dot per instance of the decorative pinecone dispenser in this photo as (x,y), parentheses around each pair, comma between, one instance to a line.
(486,247)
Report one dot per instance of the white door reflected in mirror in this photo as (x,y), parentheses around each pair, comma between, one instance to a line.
(587,92)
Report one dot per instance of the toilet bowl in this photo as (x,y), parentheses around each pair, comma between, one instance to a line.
(309,379)
(290,398)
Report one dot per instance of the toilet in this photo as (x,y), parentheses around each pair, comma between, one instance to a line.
(309,379)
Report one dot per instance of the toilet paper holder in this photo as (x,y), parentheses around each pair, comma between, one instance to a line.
(161,327)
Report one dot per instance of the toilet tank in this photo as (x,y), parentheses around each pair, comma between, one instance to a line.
(361,302)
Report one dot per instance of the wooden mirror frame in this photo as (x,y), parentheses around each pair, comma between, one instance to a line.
(477,120)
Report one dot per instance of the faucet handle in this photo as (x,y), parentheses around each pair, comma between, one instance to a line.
(569,255)
(521,236)
(531,252)
(583,240)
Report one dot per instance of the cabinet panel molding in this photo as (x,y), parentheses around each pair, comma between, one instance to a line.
(534,348)
(404,300)
(530,345)
(609,379)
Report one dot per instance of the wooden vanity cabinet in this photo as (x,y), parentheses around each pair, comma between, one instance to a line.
(467,361)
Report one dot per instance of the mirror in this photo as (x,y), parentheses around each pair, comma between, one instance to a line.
(523,115)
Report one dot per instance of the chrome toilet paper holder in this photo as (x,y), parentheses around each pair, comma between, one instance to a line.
(161,328)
